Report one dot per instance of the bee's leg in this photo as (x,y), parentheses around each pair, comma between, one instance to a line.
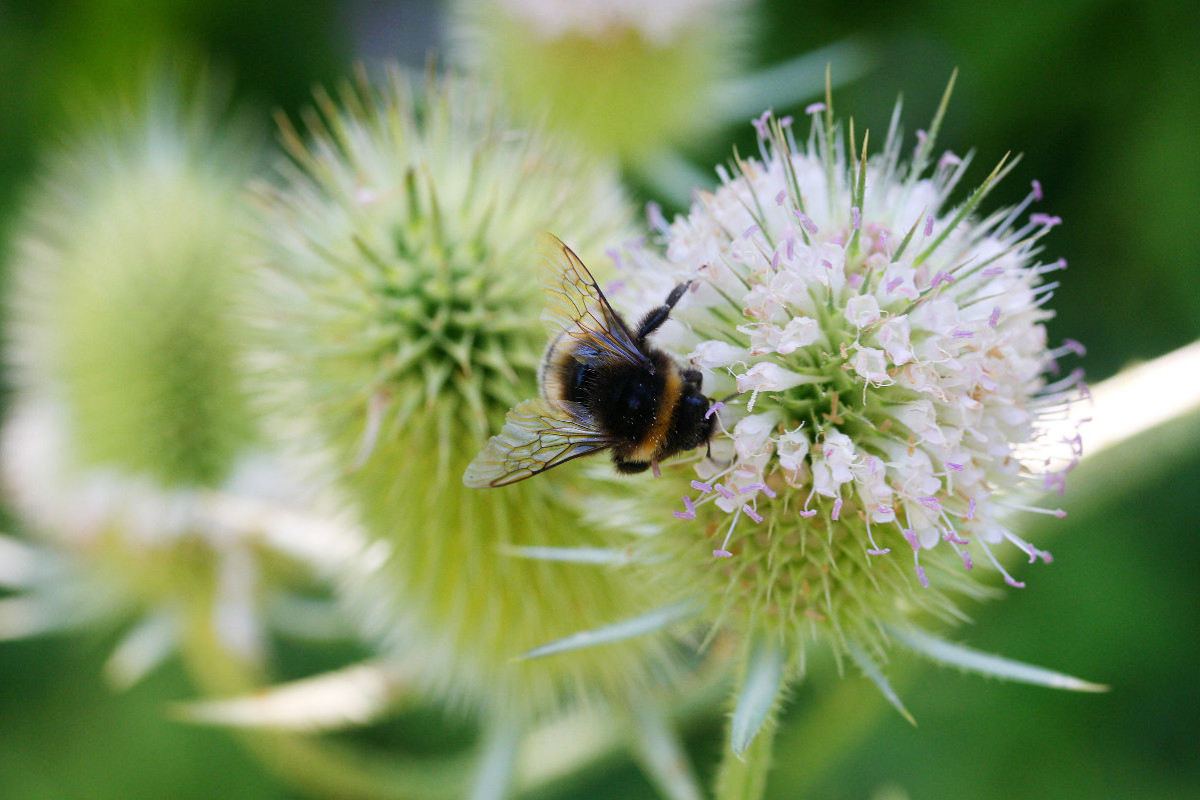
(657,316)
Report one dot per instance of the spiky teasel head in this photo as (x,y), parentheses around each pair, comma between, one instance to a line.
(129,427)
(121,310)
(889,361)
(623,77)
(400,304)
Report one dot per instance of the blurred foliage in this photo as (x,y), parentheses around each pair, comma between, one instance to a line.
(1100,95)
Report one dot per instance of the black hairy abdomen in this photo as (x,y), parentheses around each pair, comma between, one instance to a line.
(623,399)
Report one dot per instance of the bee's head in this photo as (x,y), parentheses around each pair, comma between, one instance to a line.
(694,424)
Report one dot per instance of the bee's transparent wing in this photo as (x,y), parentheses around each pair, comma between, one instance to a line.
(575,306)
(535,437)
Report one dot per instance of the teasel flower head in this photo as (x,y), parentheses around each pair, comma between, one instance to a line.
(623,77)
(882,359)
(399,311)
(130,449)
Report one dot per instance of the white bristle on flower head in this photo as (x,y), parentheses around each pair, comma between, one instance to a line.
(891,358)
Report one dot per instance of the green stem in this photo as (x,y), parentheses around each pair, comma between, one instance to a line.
(745,777)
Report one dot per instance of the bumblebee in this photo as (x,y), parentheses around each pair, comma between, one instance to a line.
(602,387)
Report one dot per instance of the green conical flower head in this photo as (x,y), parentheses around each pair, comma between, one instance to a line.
(400,309)
(121,307)
(130,433)
(623,77)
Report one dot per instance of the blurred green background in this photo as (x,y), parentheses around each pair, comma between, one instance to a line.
(1103,99)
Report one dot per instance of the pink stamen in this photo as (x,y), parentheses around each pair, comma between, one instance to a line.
(932,503)
(1045,219)
(837,509)
(881,552)
(655,470)
(691,509)
(921,576)
(1037,190)
(754,487)
(952,536)
(760,123)
(791,248)
(991,272)
(953,466)
(971,509)
(826,263)
(948,159)
(786,121)
(893,283)
(655,218)
(1054,512)
(701,486)
(963,334)
(929,225)
(714,408)
(884,509)
(911,536)
(922,136)
(751,513)
(722,554)
(779,198)
(814,108)
(728,495)
(753,229)
(775,260)
(967,563)
(808,513)
(941,277)
(1013,582)
(854,280)
(856,217)
(808,224)
(994,319)
(1075,347)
